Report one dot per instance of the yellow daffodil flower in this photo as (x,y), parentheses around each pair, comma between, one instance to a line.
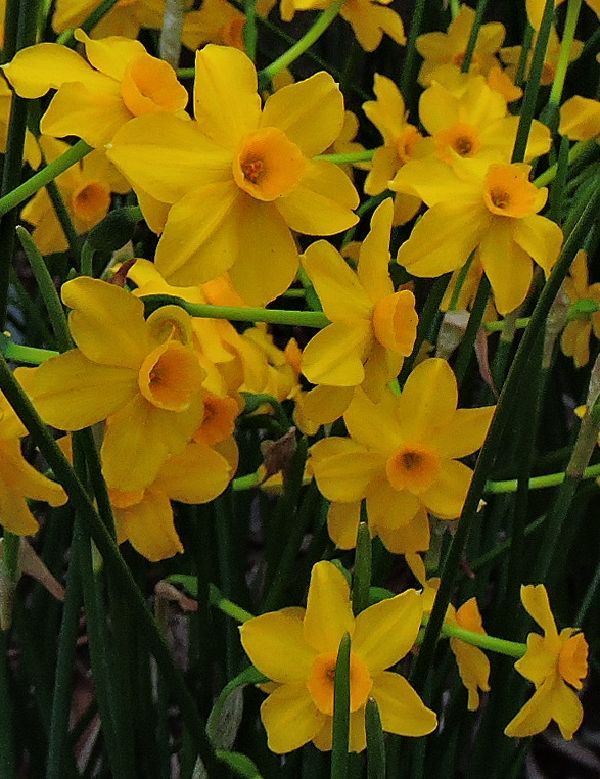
(370,19)
(511,55)
(126,18)
(296,648)
(439,48)
(402,452)
(240,178)
(556,663)
(19,481)
(86,191)
(95,97)
(372,327)
(575,338)
(144,517)
(580,118)
(141,376)
(400,143)
(497,214)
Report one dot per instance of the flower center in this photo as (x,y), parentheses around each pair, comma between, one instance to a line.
(572,660)
(150,85)
(459,58)
(412,468)
(320,683)
(461,138)
(218,422)
(170,376)
(508,191)
(268,165)
(91,202)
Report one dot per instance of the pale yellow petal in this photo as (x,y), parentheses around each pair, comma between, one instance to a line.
(400,708)
(329,610)
(385,632)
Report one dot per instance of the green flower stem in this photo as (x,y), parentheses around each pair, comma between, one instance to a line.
(500,324)
(522,61)
(587,216)
(369,205)
(21,32)
(465,351)
(507,486)
(58,321)
(64,217)
(408,81)
(460,280)
(361,580)
(113,561)
(250,29)
(573,10)
(344,158)
(590,596)
(66,38)
(314,319)
(533,84)
(66,160)
(454,8)
(473,35)
(219,601)
(24,354)
(246,482)
(341,711)
(321,24)
(375,741)
(483,641)
(576,151)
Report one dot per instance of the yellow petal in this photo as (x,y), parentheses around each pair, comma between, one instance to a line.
(540,238)
(390,508)
(107,322)
(110,56)
(541,659)
(387,112)
(375,255)
(193,250)
(507,266)
(149,527)
(474,670)
(580,118)
(443,238)
(400,708)
(324,404)
(267,258)
(342,524)
(36,69)
(428,400)
(465,432)
(373,426)
(384,633)
(328,611)
(70,392)
(199,474)
(567,710)
(338,286)
(226,101)
(445,498)
(290,717)
(275,644)
(335,354)
(405,539)
(535,602)
(534,717)
(435,182)
(384,166)
(343,470)
(310,112)
(187,159)
(322,203)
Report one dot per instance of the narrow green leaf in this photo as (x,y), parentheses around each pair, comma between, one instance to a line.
(362,569)
(341,711)
(375,745)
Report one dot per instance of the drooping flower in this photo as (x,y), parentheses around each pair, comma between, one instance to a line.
(95,97)
(86,191)
(370,19)
(19,481)
(557,664)
(400,141)
(296,648)
(439,48)
(240,178)
(575,338)
(141,376)
(497,214)
(580,118)
(402,453)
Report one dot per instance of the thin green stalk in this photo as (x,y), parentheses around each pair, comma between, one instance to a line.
(557,191)
(573,10)
(590,596)
(250,29)
(113,561)
(507,486)
(575,152)
(65,663)
(26,32)
(18,194)
(473,35)
(7,748)
(533,84)
(28,355)
(522,61)
(460,280)
(369,204)
(465,351)
(375,742)
(66,38)
(341,711)
(345,158)
(361,579)
(454,8)
(487,455)
(408,79)
(58,321)
(314,319)
(64,218)
(219,601)
(321,24)
(499,325)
